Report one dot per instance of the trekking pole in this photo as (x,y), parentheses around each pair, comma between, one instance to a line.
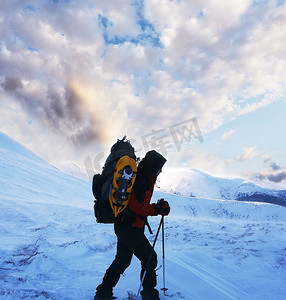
(163,251)
(144,274)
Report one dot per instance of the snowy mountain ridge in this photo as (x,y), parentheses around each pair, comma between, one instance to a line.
(195,183)
(52,248)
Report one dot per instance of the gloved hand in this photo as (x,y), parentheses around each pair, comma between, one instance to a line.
(162,207)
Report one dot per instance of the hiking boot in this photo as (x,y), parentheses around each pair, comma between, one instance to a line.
(96,297)
(103,293)
(104,290)
(150,294)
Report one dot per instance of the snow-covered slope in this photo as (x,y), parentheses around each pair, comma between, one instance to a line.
(194,183)
(25,176)
(72,169)
(51,247)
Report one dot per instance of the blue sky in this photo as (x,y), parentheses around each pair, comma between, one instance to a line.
(77,75)
(261,132)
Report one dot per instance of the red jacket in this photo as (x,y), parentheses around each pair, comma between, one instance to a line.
(142,209)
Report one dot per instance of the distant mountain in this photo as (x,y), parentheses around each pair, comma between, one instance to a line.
(72,169)
(194,183)
(184,182)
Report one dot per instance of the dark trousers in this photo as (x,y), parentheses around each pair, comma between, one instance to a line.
(131,240)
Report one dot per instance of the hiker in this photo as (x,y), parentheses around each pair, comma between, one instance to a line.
(129,229)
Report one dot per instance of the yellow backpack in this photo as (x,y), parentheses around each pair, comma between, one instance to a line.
(112,188)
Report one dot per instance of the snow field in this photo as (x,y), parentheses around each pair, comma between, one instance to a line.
(52,248)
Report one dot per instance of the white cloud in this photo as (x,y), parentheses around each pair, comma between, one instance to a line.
(228,161)
(254,106)
(267,158)
(227,134)
(195,158)
(248,154)
(123,18)
(218,60)
(269,176)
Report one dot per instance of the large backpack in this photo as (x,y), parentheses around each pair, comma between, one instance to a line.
(112,188)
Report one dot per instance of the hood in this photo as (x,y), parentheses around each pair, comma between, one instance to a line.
(152,163)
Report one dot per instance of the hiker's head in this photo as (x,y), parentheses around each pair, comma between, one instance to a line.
(153,163)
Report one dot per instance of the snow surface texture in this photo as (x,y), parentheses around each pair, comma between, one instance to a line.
(52,248)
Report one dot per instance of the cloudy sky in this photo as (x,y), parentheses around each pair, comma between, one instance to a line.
(203,82)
